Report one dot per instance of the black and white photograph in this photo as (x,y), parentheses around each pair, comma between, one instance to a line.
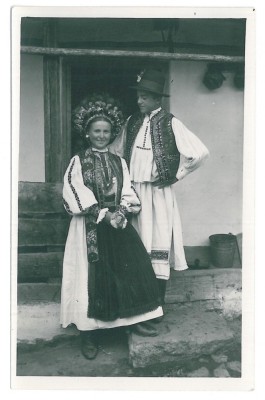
(132,187)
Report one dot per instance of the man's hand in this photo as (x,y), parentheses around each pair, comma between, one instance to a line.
(160,185)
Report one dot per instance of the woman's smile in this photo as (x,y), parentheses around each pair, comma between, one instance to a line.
(99,134)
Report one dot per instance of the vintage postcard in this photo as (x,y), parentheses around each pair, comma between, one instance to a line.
(133,198)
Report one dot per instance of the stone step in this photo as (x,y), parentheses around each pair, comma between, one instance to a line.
(223,286)
(39,303)
(33,293)
(189,331)
(39,323)
(186,332)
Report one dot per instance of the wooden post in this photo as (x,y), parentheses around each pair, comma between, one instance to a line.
(57,110)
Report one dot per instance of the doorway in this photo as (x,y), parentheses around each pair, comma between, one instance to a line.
(114,75)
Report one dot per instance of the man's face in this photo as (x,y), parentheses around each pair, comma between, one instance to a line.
(147,101)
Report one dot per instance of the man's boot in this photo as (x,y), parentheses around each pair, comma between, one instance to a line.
(162,285)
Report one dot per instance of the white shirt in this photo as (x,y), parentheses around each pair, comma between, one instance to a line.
(142,166)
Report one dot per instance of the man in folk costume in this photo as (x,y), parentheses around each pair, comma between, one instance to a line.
(152,141)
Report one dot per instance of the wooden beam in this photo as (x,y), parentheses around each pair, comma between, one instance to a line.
(50,51)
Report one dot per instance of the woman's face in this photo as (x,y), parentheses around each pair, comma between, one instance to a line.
(99,134)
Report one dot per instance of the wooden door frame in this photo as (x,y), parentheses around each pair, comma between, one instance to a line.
(57,120)
(57,108)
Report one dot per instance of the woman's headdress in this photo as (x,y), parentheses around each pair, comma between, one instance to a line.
(96,106)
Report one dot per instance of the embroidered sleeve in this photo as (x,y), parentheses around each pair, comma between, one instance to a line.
(77,198)
(130,202)
(93,210)
(192,150)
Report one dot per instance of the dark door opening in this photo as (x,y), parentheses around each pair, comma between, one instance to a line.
(112,75)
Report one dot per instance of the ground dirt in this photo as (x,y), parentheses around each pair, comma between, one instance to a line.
(64,358)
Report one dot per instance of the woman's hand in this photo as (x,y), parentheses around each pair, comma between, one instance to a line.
(107,217)
(117,219)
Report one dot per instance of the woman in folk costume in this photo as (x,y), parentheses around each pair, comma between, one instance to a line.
(152,142)
(108,280)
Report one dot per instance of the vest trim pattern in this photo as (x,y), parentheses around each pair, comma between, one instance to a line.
(166,154)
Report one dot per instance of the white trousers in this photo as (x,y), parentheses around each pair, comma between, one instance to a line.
(159,227)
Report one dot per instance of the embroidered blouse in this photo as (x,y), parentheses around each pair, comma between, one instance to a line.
(79,199)
(93,183)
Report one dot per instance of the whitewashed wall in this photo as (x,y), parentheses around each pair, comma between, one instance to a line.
(210,199)
(31,146)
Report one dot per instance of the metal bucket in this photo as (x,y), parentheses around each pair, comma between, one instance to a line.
(223,248)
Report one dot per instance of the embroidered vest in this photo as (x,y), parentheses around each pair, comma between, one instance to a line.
(166,154)
(95,180)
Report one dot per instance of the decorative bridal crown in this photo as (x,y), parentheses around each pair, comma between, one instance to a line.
(94,106)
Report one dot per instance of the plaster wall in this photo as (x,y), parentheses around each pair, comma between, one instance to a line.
(31,143)
(210,198)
